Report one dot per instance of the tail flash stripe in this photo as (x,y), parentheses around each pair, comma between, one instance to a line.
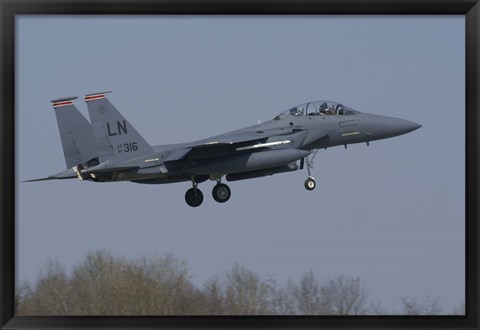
(61,104)
(94,97)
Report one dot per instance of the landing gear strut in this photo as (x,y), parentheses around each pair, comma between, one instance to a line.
(194,196)
(310,182)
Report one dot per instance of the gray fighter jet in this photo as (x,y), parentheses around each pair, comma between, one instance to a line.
(108,148)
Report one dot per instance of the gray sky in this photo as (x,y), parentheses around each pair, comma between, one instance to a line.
(391,213)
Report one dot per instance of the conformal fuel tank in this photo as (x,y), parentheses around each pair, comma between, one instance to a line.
(250,161)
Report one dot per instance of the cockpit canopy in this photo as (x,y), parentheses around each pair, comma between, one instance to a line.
(323,108)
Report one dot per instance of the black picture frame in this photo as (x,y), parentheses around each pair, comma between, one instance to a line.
(9,9)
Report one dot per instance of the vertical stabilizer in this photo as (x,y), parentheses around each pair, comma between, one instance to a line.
(75,132)
(115,137)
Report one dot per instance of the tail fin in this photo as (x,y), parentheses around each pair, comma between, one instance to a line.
(75,132)
(115,137)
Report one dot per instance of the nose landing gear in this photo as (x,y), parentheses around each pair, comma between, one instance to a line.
(310,182)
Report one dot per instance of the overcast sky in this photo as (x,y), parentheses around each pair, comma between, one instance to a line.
(391,213)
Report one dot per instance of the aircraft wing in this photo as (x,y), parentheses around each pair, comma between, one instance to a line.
(229,144)
(251,135)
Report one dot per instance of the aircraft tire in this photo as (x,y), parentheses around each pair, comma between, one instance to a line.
(194,197)
(310,184)
(221,193)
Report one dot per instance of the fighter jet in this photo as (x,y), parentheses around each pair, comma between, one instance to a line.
(109,148)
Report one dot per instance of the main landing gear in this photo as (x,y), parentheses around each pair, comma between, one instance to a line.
(194,197)
(220,192)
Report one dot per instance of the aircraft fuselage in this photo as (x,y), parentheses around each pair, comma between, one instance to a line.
(108,148)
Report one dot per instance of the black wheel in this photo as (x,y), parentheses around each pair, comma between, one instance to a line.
(310,184)
(221,193)
(194,197)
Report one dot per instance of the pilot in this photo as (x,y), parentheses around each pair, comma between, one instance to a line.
(331,110)
(340,109)
(323,108)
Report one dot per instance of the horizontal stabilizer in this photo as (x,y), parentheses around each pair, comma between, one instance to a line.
(68,174)
(42,179)
(105,169)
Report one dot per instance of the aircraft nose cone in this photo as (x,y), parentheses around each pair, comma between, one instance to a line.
(397,126)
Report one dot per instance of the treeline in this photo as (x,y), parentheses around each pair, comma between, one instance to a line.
(104,284)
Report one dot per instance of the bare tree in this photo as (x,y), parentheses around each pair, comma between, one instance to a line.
(282,299)
(214,297)
(307,295)
(245,293)
(344,295)
(429,306)
(175,294)
(108,285)
(23,295)
(97,284)
(51,294)
(104,284)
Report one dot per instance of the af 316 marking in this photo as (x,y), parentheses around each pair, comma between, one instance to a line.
(127,147)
